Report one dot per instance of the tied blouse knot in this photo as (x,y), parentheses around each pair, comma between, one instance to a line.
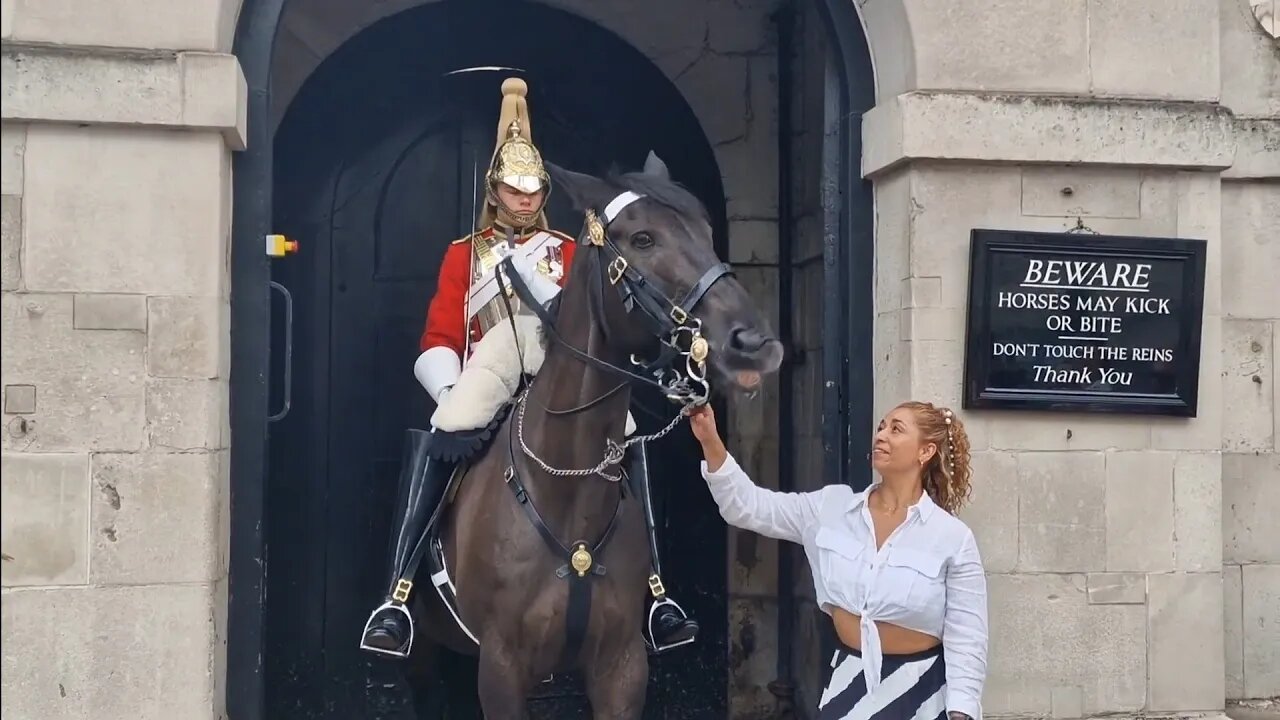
(927,576)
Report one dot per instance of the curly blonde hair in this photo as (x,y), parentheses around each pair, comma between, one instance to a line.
(947,473)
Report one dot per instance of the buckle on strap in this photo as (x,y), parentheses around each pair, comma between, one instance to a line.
(403,588)
(679,315)
(656,587)
(616,269)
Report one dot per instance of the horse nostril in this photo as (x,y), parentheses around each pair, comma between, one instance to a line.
(746,340)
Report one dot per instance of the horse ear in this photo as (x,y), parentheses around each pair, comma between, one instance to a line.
(584,191)
(654,166)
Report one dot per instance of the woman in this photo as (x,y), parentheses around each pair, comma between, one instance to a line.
(899,574)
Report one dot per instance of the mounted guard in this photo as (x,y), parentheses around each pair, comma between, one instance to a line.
(472,371)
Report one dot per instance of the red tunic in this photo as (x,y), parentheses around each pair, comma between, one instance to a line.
(446,315)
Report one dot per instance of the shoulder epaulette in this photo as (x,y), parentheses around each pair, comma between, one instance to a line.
(465,238)
(562,236)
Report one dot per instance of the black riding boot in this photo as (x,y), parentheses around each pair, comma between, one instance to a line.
(668,626)
(423,482)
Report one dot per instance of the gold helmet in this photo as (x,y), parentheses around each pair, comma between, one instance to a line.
(516,161)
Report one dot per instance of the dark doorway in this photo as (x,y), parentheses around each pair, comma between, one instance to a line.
(374,168)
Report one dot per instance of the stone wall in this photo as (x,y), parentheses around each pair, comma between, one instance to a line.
(1251,358)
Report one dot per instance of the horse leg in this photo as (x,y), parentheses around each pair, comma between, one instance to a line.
(502,682)
(616,683)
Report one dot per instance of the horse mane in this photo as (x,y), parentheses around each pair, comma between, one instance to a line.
(667,193)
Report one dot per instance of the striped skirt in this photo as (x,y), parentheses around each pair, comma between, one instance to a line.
(912,687)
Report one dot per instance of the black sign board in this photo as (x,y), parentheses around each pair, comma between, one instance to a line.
(1093,323)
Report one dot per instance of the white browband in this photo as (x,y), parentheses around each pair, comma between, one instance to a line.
(617,205)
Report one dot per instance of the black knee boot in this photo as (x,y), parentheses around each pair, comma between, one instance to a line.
(423,482)
(668,626)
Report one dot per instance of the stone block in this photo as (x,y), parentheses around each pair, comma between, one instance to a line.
(731,30)
(110,312)
(1052,431)
(155,518)
(186,414)
(921,292)
(753,632)
(1066,702)
(19,399)
(183,337)
(1185,668)
(1197,512)
(13,147)
(1199,209)
(1100,649)
(992,512)
(1117,588)
(1233,630)
(1061,512)
(181,25)
(1252,87)
(1247,369)
(1250,249)
(89,228)
(1039,45)
(45,507)
(893,240)
(1257,149)
(1139,510)
(1204,431)
(707,83)
(1261,611)
(10,242)
(985,127)
(89,384)
(1250,495)
(141,653)
(753,242)
(215,95)
(1081,192)
(1124,36)
(932,323)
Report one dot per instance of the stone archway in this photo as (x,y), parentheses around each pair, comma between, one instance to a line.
(741,137)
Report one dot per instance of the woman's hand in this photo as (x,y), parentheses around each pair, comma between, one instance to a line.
(702,421)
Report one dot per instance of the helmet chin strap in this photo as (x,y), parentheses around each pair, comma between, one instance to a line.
(511,218)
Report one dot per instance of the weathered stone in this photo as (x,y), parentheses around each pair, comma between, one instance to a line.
(1051,431)
(154,518)
(1204,431)
(1040,45)
(183,337)
(89,383)
(19,399)
(45,507)
(1117,588)
(1197,512)
(1081,192)
(121,652)
(704,84)
(1100,648)
(1184,620)
(1066,702)
(992,513)
(921,292)
(1257,149)
(1250,496)
(1139,510)
(931,323)
(89,229)
(753,242)
(10,242)
(187,24)
(1233,630)
(1261,584)
(1125,36)
(186,414)
(1061,517)
(1247,368)
(1252,87)
(753,631)
(110,312)
(730,30)
(940,125)
(1251,254)
(13,148)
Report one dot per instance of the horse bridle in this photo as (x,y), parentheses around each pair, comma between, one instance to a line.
(671,322)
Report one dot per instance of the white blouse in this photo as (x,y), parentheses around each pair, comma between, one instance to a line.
(927,577)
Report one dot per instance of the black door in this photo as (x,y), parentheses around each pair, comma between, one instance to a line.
(375,167)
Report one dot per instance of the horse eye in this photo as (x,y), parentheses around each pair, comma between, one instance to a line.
(642,240)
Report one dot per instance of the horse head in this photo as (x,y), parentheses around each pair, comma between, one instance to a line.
(652,240)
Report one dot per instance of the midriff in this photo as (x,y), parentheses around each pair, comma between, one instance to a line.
(894,639)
